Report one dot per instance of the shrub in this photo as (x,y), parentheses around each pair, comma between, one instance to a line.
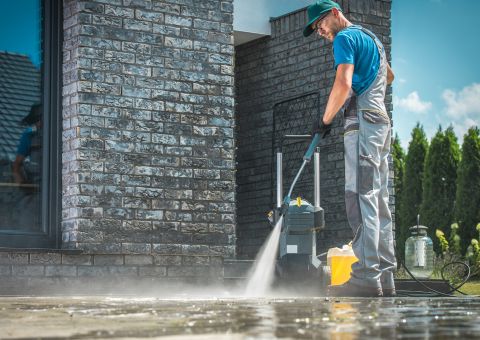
(467,206)
(451,254)
(439,184)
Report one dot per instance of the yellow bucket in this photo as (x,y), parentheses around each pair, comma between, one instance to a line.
(340,261)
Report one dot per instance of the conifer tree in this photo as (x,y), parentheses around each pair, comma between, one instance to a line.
(467,208)
(439,185)
(412,186)
(398,157)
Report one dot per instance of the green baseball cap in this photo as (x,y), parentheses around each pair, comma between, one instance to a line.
(34,116)
(316,11)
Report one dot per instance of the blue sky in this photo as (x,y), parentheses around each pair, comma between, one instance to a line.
(435,55)
(16,30)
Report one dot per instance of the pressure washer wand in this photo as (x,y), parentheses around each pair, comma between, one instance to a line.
(306,158)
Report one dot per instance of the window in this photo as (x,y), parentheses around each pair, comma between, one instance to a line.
(30,62)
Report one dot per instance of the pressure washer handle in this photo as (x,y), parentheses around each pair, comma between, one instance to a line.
(311,149)
(284,207)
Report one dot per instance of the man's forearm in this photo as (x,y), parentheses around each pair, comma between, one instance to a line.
(337,98)
(390,75)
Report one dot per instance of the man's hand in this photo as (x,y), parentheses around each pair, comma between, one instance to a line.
(321,128)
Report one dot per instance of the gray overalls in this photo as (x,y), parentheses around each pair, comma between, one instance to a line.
(367,145)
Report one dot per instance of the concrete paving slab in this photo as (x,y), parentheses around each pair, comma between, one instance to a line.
(228,317)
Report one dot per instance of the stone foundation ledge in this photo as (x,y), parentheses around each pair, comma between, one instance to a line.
(27,272)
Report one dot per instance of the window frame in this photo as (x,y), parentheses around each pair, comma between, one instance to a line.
(49,235)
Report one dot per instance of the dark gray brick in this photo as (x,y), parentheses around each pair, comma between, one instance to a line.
(60,270)
(167,260)
(145,4)
(49,258)
(100,260)
(178,43)
(5,270)
(196,260)
(167,249)
(149,16)
(131,24)
(178,20)
(120,12)
(153,271)
(136,248)
(28,270)
(138,260)
(77,259)
(191,271)
(164,7)
(13,258)
(107,271)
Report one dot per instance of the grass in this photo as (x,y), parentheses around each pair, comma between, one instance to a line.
(471,288)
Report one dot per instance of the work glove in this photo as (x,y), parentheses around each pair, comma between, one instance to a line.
(322,129)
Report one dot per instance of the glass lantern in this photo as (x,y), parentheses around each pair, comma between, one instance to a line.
(419,254)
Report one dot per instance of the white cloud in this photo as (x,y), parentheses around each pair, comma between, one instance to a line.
(412,103)
(463,108)
(462,127)
(465,103)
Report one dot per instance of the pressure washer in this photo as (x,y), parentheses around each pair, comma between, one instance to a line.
(298,261)
(297,258)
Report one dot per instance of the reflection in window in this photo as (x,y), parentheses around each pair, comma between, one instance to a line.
(20,116)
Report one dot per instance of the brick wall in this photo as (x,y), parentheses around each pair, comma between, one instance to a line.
(148,147)
(283,67)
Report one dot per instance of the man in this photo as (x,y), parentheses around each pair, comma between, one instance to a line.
(29,146)
(27,172)
(362,75)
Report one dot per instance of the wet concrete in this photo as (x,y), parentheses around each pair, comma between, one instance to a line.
(238,318)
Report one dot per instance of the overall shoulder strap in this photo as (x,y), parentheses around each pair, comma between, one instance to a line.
(375,39)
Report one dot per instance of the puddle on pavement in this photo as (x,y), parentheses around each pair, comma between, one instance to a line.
(238,318)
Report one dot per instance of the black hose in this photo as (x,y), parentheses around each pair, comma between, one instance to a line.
(434,292)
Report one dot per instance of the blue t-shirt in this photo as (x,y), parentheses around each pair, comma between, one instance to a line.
(352,46)
(25,144)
